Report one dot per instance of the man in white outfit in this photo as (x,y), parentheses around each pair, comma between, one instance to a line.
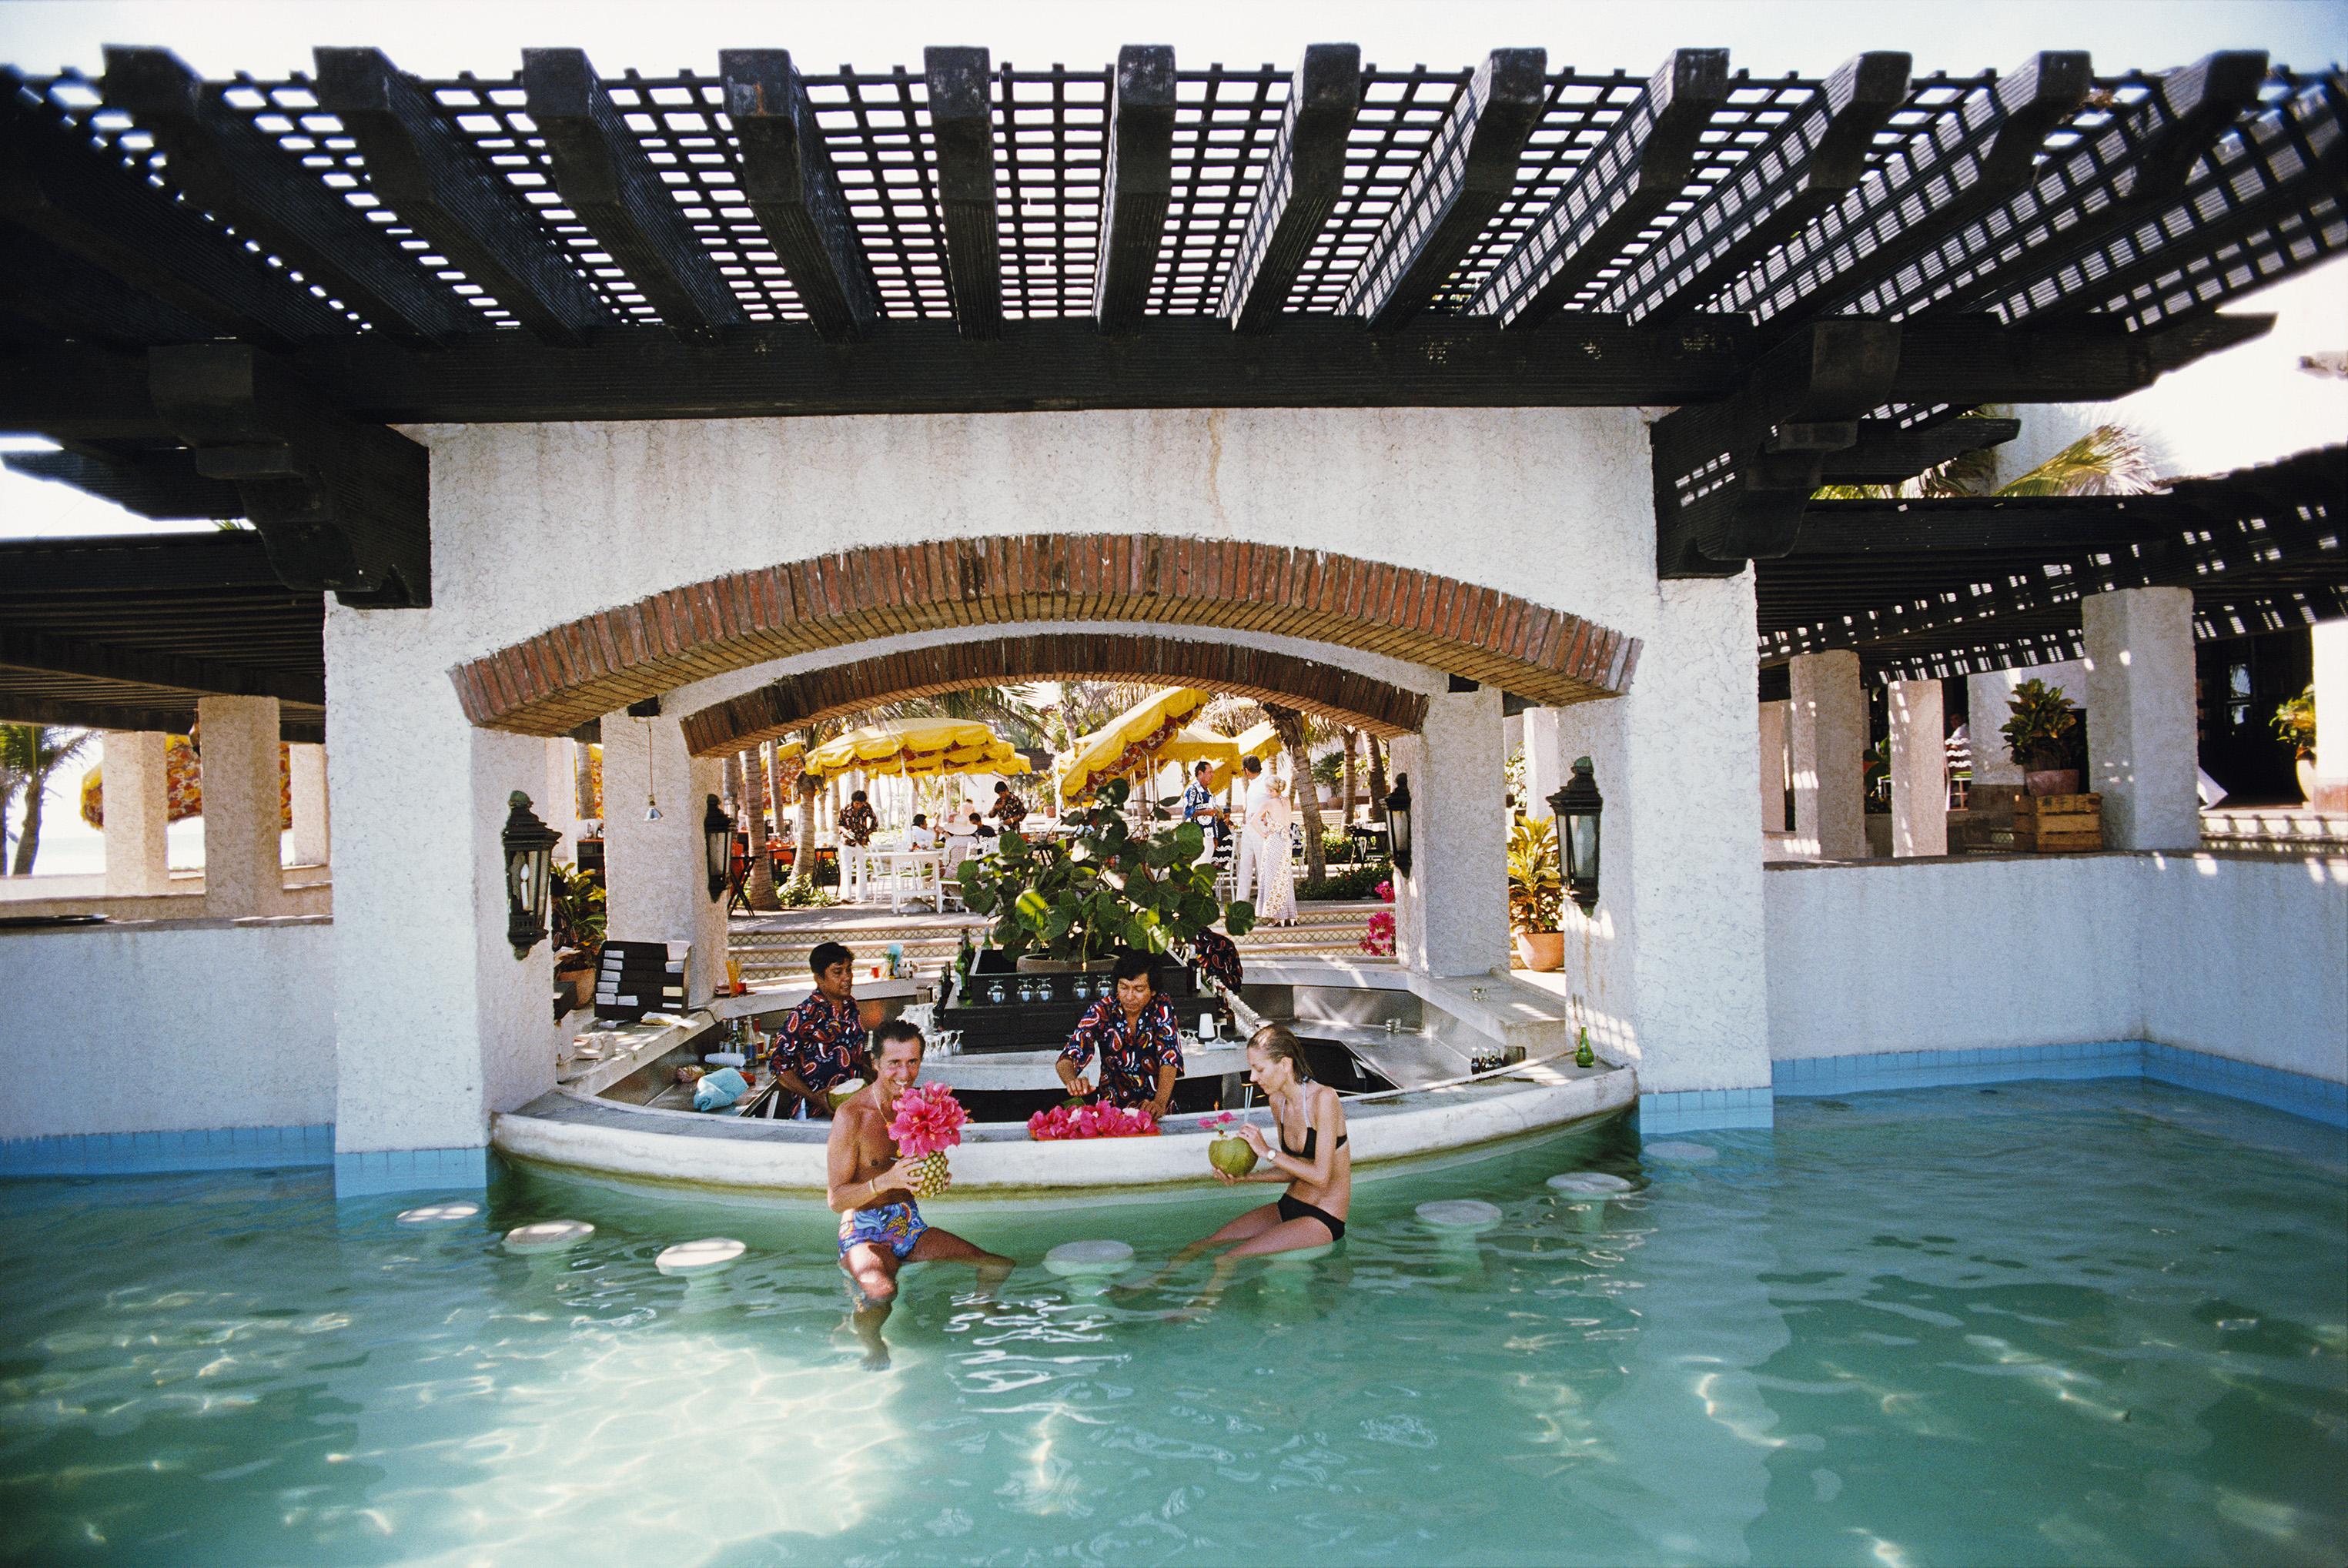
(1244,860)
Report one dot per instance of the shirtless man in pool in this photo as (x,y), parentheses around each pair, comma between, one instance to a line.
(881,1226)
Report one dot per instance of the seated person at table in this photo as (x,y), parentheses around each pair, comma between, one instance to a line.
(921,837)
(819,1044)
(978,827)
(881,1226)
(1137,1037)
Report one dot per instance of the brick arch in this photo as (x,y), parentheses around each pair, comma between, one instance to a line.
(775,710)
(559,680)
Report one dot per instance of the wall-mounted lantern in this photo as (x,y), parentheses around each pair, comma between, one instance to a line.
(530,857)
(718,841)
(1399,823)
(1578,806)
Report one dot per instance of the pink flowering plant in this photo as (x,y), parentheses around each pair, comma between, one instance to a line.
(1378,941)
(1091,1121)
(929,1121)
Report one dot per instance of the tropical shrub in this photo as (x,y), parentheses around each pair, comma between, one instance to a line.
(1352,883)
(2294,722)
(1536,887)
(2044,732)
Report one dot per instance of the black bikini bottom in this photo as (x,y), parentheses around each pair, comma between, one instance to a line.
(1297,1208)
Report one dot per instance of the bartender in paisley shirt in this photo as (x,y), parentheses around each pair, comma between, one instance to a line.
(1137,1038)
(820,1042)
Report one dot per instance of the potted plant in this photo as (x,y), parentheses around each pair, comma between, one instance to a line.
(576,900)
(2043,738)
(2294,725)
(1071,904)
(1536,892)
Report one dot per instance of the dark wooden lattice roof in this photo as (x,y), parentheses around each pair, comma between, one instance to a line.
(224,292)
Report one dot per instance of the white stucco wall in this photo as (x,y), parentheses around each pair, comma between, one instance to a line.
(2242,956)
(175,1027)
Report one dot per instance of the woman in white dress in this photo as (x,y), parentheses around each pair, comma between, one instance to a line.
(1275,880)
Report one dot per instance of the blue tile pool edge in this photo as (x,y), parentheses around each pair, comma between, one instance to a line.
(359,1175)
(1695,1110)
(2298,1094)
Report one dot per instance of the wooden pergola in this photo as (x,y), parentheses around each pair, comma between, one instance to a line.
(217,297)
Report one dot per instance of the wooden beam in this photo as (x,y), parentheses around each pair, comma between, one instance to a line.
(55,183)
(1300,187)
(420,167)
(1640,169)
(1732,479)
(1811,162)
(1970,159)
(49,285)
(604,176)
(341,505)
(1884,454)
(48,654)
(1467,172)
(237,172)
(1136,182)
(962,132)
(794,193)
(2126,174)
(2283,163)
(1961,526)
(163,486)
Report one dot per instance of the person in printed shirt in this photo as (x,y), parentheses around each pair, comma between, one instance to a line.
(1218,957)
(1010,810)
(1137,1037)
(1199,806)
(820,1042)
(857,825)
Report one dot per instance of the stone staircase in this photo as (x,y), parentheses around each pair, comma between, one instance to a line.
(929,940)
(2289,829)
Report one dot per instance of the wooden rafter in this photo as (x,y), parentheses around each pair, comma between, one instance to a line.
(795,192)
(1135,184)
(1300,187)
(961,125)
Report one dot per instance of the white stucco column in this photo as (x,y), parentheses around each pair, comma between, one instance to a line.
(312,836)
(656,874)
(1920,770)
(1451,913)
(1669,962)
(1827,734)
(138,808)
(1541,777)
(436,1024)
(558,804)
(2329,642)
(2143,740)
(244,807)
(1773,720)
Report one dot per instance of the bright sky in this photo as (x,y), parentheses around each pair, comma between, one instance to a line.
(2243,406)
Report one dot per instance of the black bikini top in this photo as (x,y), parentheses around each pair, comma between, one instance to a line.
(1312,1141)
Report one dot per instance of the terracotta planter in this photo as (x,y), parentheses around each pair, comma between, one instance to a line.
(2307,775)
(1542,950)
(2052,781)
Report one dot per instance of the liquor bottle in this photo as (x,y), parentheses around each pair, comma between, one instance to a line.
(1582,1056)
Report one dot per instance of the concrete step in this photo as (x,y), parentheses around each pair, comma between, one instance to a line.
(929,940)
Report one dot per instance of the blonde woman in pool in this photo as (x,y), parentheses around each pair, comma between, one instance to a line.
(1311,1157)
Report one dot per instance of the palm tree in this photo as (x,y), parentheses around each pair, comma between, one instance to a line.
(1292,724)
(29,755)
(759,890)
(2109,460)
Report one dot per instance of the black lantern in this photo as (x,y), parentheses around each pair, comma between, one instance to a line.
(529,855)
(1398,823)
(717,843)
(1578,806)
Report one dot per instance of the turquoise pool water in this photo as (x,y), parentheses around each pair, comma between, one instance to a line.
(2077,1323)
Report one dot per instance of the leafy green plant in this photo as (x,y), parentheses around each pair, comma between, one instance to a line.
(2294,722)
(576,899)
(1355,881)
(1536,888)
(2044,732)
(796,894)
(1103,888)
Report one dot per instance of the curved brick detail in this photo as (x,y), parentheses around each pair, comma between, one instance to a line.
(774,711)
(551,683)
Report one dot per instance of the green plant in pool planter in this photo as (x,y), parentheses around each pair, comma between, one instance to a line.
(576,898)
(1535,888)
(2044,732)
(2294,722)
(1103,888)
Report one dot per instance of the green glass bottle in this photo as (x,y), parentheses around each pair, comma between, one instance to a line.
(1583,1055)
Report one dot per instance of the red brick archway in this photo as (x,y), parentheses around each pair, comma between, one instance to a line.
(776,709)
(556,681)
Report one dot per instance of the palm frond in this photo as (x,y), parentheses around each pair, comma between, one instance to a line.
(2108,460)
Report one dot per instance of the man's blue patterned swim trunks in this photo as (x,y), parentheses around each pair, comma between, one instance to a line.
(896,1226)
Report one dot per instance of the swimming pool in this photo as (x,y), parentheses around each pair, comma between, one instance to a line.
(2047,1323)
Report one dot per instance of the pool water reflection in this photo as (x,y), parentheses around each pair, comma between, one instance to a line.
(2090,1322)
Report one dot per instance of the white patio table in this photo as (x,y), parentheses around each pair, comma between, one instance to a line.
(907,874)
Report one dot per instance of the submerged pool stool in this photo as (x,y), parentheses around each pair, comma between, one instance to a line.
(711,1255)
(1463,1216)
(1088,1257)
(1590,1186)
(438,1213)
(1681,1153)
(548,1235)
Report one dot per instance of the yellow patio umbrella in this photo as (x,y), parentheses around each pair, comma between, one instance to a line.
(1262,742)
(1194,744)
(899,743)
(1126,745)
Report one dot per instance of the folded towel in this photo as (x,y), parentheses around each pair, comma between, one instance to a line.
(719,1089)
